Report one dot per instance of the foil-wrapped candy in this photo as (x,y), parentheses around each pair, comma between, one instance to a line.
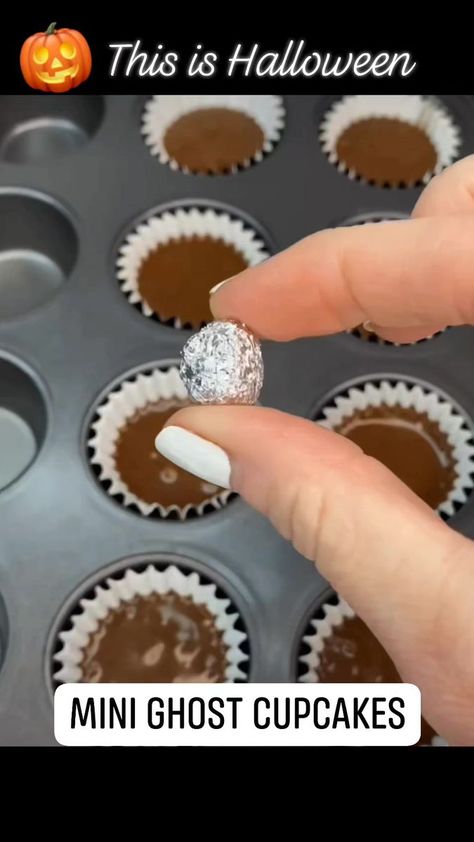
(222,364)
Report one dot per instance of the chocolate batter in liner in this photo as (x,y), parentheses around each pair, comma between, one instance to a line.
(212,134)
(123,453)
(415,432)
(157,625)
(393,141)
(350,653)
(168,264)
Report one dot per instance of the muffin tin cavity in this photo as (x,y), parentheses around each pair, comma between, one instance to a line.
(3,631)
(150,619)
(40,129)
(23,421)
(38,249)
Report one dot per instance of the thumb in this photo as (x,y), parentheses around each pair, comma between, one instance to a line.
(408,575)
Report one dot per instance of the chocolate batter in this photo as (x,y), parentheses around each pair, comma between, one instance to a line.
(146,472)
(157,638)
(213,140)
(353,654)
(387,151)
(409,444)
(175,279)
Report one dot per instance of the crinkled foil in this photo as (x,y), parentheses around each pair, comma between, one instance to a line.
(222,364)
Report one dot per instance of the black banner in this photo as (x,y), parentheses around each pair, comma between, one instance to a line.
(136,54)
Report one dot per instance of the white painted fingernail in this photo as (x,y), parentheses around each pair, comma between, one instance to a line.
(194,454)
(218,286)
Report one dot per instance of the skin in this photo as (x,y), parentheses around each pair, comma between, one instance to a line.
(404,571)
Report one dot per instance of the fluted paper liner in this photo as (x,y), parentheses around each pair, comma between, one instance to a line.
(374,339)
(108,596)
(410,396)
(334,616)
(425,113)
(162,111)
(113,413)
(175,225)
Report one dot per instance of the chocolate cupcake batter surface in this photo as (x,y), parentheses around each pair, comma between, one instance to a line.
(213,140)
(353,654)
(409,444)
(147,473)
(384,150)
(157,638)
(176,277)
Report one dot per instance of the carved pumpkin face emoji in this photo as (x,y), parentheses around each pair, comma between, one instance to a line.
(56,60)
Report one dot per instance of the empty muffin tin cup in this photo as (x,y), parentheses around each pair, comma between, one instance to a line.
(39,129)
(38,250)
(3,631)
(192,133)
(427,114)
(23,421)
(130,585)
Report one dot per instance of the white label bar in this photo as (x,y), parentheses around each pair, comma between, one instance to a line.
(237,714)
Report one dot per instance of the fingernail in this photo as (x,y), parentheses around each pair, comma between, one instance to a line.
(218,286)
(194,454)
(369,327)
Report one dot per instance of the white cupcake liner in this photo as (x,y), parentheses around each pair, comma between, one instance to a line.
(162,111)
(113,413)
(437,408)
(426,113)
(178,224)
(108,596)
(374,339)
(333,616)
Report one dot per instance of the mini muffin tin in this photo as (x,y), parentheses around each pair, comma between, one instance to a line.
(75,174)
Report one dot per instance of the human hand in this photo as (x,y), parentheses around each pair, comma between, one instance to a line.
(407,574)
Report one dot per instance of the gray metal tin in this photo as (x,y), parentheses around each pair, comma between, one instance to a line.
(57,526)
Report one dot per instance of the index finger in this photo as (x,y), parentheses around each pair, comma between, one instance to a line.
(402,274)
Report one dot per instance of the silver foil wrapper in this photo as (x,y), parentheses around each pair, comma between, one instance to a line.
(222,364)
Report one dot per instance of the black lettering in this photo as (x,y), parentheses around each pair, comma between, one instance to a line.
(340,714)
(376,712)
(83,715)
(155,717)
(196,702)
(302,710)
(358,713)
(283,722)
(266,704)
(321,700)
(178,712)
(234,701)
(392,706)
(214,703)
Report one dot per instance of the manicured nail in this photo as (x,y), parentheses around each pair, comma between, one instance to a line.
(194,454)
(218,286)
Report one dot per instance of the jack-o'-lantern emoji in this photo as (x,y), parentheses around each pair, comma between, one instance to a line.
(56,60)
